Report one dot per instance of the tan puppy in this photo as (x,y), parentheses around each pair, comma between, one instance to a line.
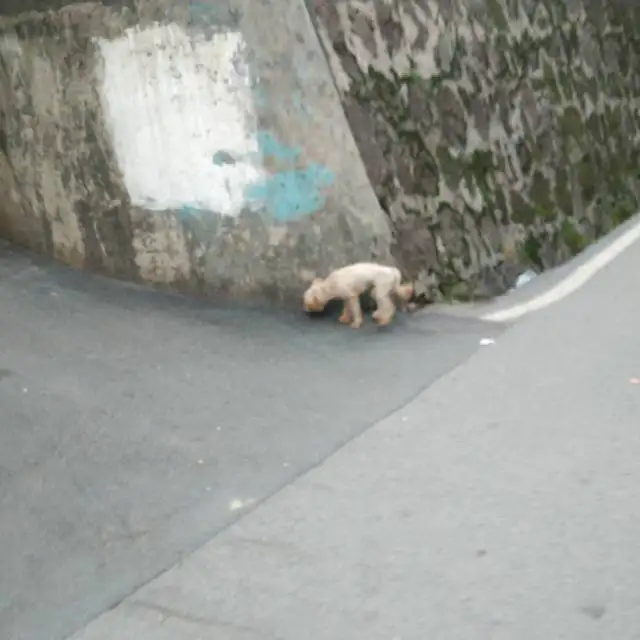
(349,282)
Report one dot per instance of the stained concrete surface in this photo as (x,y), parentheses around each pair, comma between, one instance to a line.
(130,421)
(502,503)
(290,198)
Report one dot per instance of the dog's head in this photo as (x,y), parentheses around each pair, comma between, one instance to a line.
(314,298)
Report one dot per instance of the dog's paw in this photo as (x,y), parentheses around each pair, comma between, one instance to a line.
(345,318)
(381,320)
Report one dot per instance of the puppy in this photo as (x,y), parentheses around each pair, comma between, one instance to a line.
(349,282)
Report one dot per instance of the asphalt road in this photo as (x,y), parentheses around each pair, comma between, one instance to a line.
(502,503)
(134,425)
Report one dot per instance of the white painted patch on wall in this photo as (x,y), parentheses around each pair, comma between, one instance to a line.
(172,101)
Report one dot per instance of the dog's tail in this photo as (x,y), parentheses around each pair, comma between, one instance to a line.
(404,291)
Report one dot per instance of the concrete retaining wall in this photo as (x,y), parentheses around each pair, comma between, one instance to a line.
(200,145)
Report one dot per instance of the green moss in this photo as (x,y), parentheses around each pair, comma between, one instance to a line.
(596,129)
(530,252)
(565,83)
(544,207)
(572,237)
(425,173)
(456,290)
(614,125)
(550,80)
(500,212)
(521,211)
(497,15)
(562,192)
(570,123)
(480,165)
(587,177)
(451,169)
(618,205)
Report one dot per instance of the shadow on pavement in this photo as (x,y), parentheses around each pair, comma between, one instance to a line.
(135,425)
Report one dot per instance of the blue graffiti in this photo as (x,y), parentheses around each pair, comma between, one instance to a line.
(270,147)
(212,17)
(191,211)
(291,192)
(259,96)
(200,6)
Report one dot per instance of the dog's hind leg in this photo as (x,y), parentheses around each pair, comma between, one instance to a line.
(352,304)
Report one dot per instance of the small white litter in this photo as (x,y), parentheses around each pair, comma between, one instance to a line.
(525,277)
(236,505)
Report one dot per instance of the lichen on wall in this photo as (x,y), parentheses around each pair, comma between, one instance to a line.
(498,134)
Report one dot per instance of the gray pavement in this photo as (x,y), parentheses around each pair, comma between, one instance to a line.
(135,426)
(503,503)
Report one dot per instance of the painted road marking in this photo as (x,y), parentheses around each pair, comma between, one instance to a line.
(576,279)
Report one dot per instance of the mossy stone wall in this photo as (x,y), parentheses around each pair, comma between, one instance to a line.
(499,134)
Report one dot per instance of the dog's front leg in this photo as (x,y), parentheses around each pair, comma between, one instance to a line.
(353,306)
(345,317)
(385,311)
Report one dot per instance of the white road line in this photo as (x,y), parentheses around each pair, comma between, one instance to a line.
(576,279)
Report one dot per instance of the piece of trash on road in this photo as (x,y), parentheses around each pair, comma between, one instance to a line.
(487,341)
(525,277)
(634,380)
(236,505)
